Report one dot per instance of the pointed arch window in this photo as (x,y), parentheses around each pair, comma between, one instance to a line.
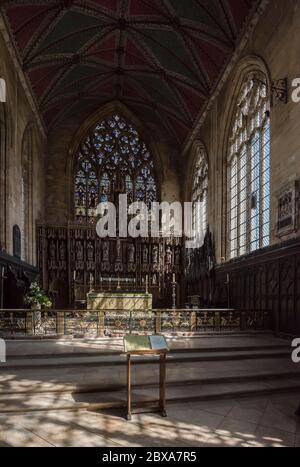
(248,210)
(112,159)
(200,193)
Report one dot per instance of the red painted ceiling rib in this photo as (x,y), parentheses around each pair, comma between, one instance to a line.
(163,57)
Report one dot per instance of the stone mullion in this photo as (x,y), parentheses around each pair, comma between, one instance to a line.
(238,203)
(261,158)
(99,174)
(104,168)
(87,198)
(228,202)
(249,189)
(262,168)
(31,206)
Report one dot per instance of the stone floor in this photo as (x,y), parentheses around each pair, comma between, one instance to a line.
(53,393)
(249,422)
(69,374)
(115,345)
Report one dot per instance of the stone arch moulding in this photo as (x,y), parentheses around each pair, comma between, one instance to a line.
(6,143)
(3,176)
(248,64)
(197,145)
(2,90)
(98,116)
(27,164)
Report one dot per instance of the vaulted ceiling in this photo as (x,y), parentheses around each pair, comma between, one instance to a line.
(162,58)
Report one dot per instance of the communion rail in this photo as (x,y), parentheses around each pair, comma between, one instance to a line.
(87,323)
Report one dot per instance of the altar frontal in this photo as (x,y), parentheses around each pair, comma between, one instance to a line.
(119,301)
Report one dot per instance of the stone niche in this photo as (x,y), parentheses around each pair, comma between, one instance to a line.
(288,209)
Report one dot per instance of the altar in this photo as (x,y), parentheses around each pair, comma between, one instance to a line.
(111,301)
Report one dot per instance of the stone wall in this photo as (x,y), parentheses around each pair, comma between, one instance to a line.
(18,119)
(63,143)
(274,47)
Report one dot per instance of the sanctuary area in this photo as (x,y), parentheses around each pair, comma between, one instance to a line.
(184,117)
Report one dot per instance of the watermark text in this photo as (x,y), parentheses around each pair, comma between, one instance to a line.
(296,351)
(157,220)
(2,90)
(2,351)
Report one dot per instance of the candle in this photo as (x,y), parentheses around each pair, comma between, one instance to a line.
(147,283)
(74,275)
(174,278)
(228,279)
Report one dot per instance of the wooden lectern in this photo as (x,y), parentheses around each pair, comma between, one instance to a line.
(146,346)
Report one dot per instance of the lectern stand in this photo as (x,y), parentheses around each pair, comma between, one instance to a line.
(147,346)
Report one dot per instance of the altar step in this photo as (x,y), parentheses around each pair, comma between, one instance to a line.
(42,348)
(120,361)
(189,377)
(203,350)
(113,361)
(116,353)
(99,387)
(143,396)
(91,374)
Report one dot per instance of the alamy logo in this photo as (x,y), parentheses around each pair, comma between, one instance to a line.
(2,351)
(296,352)
(2,90)
(138,220)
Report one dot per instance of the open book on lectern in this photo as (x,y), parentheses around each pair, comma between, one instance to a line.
(141,343)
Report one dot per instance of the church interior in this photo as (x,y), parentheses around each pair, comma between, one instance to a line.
(169,102)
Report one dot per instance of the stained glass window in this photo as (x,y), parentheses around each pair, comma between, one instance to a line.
(112,159)
(249,170)
(199,194)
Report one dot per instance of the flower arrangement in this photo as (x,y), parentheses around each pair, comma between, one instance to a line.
(36,296)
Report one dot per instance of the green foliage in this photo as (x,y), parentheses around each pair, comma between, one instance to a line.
(36,296)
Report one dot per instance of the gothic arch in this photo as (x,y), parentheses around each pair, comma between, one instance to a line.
(198,146)
(248,64)
(102,116)
(250,69)
(197,186)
